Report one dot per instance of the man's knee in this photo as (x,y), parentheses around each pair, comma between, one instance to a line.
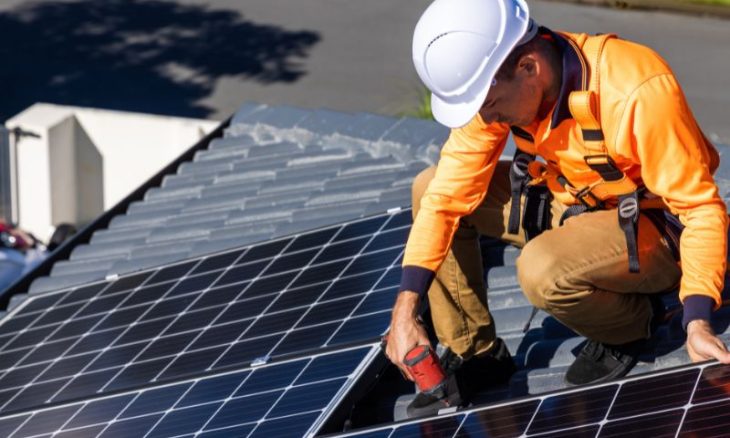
(420,184)
(537,267)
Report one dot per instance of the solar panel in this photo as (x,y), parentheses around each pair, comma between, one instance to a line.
(686,402)
(330,288)
(286,399)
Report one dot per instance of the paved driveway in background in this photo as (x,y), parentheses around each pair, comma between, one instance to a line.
(360,60)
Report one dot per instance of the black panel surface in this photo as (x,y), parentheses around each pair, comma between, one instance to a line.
(293,296)
(651,405)
(286,399)
(232,345)
(662,425)
(502,422)
(707,421)
(665,392)
(572,409)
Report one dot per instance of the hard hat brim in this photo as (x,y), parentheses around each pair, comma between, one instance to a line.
(456,115)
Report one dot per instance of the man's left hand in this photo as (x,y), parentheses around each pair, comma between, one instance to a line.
(703,344)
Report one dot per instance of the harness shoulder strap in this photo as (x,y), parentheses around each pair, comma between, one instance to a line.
(583,104)
(585,109)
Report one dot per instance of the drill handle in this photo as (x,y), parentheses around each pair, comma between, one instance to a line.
(417,354)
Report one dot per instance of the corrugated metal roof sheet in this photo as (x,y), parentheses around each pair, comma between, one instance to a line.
(277,170)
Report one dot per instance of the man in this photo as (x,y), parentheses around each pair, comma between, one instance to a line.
(614,132)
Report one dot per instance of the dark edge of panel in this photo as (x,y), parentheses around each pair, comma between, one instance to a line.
(516,400)
(371,349)
(195,375)
(360,387)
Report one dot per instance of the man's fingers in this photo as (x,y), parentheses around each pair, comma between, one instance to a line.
(392,352)
(706,347)
(405,372)
(402,367)
(423,338)
(724,357)
(720,352)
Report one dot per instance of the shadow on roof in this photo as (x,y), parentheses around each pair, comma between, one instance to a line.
(148,56)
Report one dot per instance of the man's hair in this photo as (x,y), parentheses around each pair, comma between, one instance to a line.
(508,68)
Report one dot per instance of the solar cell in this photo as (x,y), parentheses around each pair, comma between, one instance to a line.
(326,289)
(688,401)
(287,399)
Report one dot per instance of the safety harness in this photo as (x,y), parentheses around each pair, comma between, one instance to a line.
(527,173)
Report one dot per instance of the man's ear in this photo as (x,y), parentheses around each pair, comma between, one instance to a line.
(528,66)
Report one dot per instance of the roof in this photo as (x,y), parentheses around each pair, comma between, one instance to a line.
(276,171)
(281,170)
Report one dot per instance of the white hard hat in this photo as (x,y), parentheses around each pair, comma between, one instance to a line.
(459,45)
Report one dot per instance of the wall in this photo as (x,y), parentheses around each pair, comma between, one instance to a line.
(86,160)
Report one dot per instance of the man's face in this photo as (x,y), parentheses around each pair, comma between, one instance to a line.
(513,101)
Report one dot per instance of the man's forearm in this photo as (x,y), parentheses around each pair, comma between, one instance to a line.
(406,306)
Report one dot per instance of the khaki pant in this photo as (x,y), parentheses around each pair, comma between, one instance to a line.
(577,272)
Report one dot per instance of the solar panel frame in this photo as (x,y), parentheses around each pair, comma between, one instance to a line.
(164,409)
(605,409)
(107,299)
(701,402)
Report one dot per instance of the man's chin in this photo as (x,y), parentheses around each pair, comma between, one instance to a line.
(525,121)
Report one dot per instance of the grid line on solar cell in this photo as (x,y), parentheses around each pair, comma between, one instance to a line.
(215,307)
(175,319)
(694,389)
(4,323)
(582,417)
(344,320)
(277,399)
(92,300)
(674,392)
(99,359)
(165,409)
(195,273)
(292,282)
(213,322)
(561,409)
(122,293)
(140,306)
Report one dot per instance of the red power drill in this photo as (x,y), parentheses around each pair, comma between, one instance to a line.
(424,366)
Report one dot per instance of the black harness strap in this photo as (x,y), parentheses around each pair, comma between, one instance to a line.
(573,210)
(628,219)
(518,178)
(669,226)
(536,216)
(536,212)
(628,205)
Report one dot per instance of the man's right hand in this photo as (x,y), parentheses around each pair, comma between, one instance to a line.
(405,330)
(703,344)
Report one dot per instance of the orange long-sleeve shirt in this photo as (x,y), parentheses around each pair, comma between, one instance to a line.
(650,133)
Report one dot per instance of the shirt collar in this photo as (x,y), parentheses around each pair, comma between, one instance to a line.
(573,77)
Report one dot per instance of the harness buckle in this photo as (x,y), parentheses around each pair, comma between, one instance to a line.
(605,166)
(588,199)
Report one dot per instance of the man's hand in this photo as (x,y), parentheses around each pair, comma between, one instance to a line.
(702,344)
(405,331)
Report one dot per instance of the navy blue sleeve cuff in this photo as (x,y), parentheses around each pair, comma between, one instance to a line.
(416,279)
(697,307)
